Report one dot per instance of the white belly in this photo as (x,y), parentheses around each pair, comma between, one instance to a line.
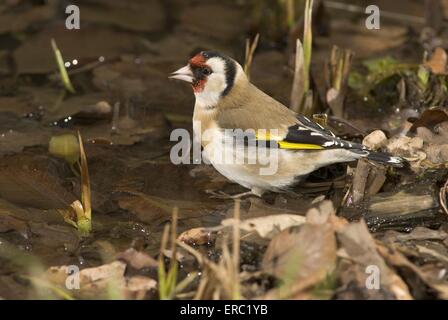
(263,168)
(248,166)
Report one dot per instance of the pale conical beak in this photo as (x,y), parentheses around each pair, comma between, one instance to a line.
(183,74)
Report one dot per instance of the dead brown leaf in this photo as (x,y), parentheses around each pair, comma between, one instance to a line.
(268,226)
(301,257)
(16,106)
(360,247)
(153,209)
(137,259)
(398,260)
(33,182)
(16,134)
(196,236)
(437,63)
(429,119)
(96,283)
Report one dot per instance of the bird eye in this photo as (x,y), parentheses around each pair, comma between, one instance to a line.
(206,71)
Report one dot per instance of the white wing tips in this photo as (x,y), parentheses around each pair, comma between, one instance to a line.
(395,160)
(385,158)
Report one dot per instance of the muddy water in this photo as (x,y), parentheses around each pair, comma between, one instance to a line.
(125,108)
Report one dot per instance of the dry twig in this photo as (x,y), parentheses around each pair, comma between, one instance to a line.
(251,46)
(443,197)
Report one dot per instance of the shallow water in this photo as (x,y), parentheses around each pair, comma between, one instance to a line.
(125,109)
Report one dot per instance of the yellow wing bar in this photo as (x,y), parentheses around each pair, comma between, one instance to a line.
(298,146)
(287,145)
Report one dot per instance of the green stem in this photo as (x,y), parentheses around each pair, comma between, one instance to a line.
(62,71)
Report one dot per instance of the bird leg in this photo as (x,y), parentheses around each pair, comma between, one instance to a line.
(226,196)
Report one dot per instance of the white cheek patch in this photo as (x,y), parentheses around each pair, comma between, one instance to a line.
(214,86)
(217,65)
(209,97)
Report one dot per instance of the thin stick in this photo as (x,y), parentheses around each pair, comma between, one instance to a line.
(236,248)
(116,118)
(298,84)
(337,74)
(85,225)
(250,51)
(307,42)
(161,265)
(290,13)
(202,285)
(193,252)
(174,237)
(442,197)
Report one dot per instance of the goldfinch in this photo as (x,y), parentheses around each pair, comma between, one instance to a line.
(226,101)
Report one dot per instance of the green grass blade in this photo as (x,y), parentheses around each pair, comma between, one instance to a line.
(62,71)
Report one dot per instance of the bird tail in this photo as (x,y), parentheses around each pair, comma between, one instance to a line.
(386,158)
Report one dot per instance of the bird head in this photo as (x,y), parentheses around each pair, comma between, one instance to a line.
(212,76)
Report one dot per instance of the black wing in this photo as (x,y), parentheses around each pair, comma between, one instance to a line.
(308,135)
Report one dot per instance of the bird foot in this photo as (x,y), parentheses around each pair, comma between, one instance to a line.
(226,196)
